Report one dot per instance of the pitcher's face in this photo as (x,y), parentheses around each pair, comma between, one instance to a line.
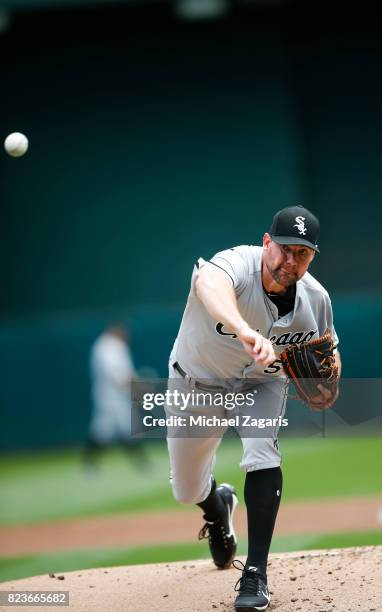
(286,263)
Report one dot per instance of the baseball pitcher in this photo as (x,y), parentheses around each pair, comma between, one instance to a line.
(249,308)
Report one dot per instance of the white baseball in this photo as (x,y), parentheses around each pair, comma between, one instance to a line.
(16,144)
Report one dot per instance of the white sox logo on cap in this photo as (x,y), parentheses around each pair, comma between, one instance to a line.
(286,220)
(300,225)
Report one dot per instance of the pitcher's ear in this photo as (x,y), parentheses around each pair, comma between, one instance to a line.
(266,240)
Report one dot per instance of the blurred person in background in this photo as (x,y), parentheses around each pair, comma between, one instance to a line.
(112,372)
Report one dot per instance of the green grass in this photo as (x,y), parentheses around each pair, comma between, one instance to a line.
(49,486)
(13,568)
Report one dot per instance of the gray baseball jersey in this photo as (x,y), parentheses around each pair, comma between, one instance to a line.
(204,348)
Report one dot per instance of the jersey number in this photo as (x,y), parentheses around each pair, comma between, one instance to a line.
(274,367)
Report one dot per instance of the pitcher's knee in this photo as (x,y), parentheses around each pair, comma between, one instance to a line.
(191,495)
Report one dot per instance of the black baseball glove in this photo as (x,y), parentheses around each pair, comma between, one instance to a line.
(311,364)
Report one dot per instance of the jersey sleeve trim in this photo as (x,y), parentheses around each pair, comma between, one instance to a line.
(220,268)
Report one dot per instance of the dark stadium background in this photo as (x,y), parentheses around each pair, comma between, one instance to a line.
(156,140)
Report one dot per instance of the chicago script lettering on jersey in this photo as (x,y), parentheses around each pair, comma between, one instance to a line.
(282,340)
(293,337)
(219,328)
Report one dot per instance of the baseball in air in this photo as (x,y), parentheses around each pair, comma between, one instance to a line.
(16,144)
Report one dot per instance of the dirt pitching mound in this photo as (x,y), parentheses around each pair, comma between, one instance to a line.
(340,580)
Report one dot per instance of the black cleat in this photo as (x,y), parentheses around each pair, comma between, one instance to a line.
(252,588)
(221,536)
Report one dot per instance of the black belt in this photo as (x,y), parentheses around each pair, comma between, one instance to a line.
(177,367)
(196,384)
(199,385)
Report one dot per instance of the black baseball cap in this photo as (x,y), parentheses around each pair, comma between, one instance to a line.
(295,225)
